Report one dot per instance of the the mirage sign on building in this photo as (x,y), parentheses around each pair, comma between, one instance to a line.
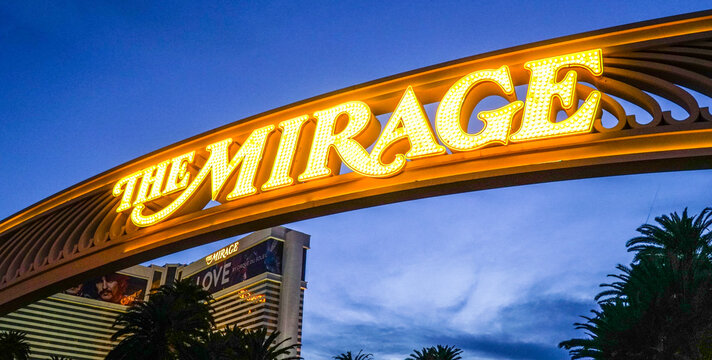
(261,258)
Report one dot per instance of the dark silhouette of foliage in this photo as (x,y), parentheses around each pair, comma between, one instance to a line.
(660,307)
(13,345)
(438,352)
(173,324)
(57,357)
(261,345)
(225,345)
(348,356)
(238,344)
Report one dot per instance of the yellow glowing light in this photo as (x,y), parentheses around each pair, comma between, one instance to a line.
(285,154)
(347,147)
(350,127)
(178,177)
(177,180)
(416,128)
(449,120)
(247,156)
(140,220)
(222,253)
(127,190)
(537,119)
(251,297)
(154,182)
(129,299)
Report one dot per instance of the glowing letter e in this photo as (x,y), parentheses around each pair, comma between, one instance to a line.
(537,121)
(219,166)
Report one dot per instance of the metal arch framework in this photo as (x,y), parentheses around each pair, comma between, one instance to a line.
(78,232)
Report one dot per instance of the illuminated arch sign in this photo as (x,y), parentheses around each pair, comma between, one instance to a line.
(284,165)
(407,135)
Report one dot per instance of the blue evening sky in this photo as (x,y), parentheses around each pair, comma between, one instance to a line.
(502,274)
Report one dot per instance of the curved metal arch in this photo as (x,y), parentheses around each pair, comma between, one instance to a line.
(77,232)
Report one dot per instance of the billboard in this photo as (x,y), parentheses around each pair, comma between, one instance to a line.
(113,288)
(261,258)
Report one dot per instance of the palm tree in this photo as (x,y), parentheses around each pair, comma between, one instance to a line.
(225,345)
(233,343)
(13,345)
(682,239)
(661,305)
(260,345)
(438,352)
(172,324)
(348,356)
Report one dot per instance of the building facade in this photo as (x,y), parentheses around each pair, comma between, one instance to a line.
(257,281)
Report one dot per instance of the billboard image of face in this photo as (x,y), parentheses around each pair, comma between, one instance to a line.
(261,258)
(114,288)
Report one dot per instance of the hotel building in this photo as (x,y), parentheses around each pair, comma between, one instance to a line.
(257,281)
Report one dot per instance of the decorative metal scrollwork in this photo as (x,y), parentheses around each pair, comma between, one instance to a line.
(664,71)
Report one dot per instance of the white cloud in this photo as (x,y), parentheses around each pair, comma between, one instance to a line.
(459,263)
